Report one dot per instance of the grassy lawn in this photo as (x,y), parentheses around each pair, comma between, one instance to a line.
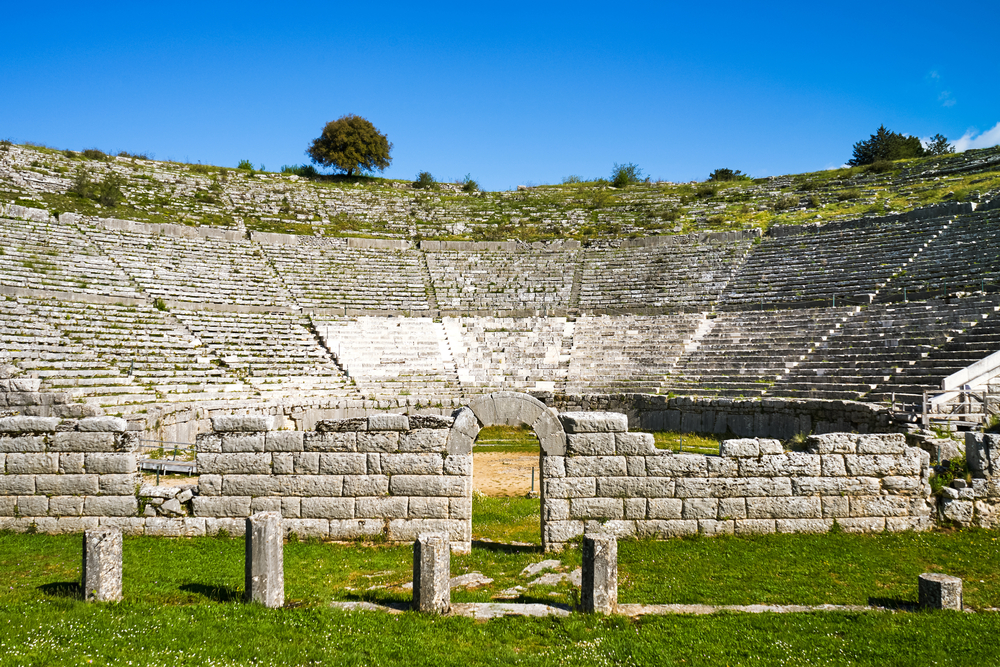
(695,443)
(507,439)
(182,602)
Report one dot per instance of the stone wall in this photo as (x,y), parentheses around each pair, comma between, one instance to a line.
(614,481)
(976,503)
(779,418)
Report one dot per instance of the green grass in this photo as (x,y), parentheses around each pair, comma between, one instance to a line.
(507,439)
(696,443)
(182,603)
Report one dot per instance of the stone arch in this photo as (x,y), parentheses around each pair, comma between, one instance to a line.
(507,408)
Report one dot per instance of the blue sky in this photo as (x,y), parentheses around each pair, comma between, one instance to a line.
(512,93)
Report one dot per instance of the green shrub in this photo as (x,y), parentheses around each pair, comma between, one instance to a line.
(569,180)
(601,198)
(814,202)
(785,202)
(245,165)
(880,167)
(5,144)
(159,304)
(705,191)
(82,186)
(625,174)
(948,471)
(94,154)
(425,181)
(135,156)
(109,190)
(303,170)
(848,195)
(721,175)
(469,185)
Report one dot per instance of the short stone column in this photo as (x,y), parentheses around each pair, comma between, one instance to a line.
(265,571)
(432,573)
(101,578)
(940,591)
(600,574)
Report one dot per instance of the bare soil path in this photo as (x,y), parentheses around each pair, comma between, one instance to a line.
(504,473)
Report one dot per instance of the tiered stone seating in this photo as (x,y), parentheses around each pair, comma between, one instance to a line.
(113,355)
(746,352)
(55,256)
(392,355)
(194,270)
(688,274)
(336,276)
(850,261)
(492,281)
(876,345)
(506,353)
(276,353)
(966,257)
(627,353)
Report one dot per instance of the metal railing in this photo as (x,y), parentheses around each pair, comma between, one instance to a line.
(958,405)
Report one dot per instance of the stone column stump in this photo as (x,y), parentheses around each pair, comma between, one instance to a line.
(600,574)
(940,591)
(265,572)
(101,578)
(432,573)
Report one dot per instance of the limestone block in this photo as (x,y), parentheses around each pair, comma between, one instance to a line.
(595,466)
(732,508)
(570,487)
(128,525)
(234,443)
(982,452)
(249,485)
(590,444)
(551,436)
(284,441)
(374,466)
(635,508)
(940,591)
(463,432)
(355,529)
(71,441)
(593,422)
(66,485)
(784,508)
(781,465)
(209,443)
(119,485)
(900,524)
(428,508)
(330,442)
(412,464)
(322,486)
(32,464)
(351,425)
(553,466)
(740,448)
(221,506)
(803,525)
(20,424)
(596,508)
(432,422)
(460,508)
(307,528)
(836,486)
(102,425)
(557,532)
(881,443)
(635,466)
(405,530)
(882,465)
(388,422)
(677,465)
(232,527)
(722,467)
(101,577)
(665,528)
(264,567)
(234,464)
(291,507)
(343,464)
(432,573)
(599,589)
(65,506)
(635,487)
(110,506)
(66,525)
(427,485)
(862,506)
(700,508)
(832,443)
(456,464)
(754,526)
(265,504)
(22,443)
(71,463)
(209,485)
(381,507)
(833,465)
(366,485)
(424,441)
(107,464)
(327,508)
(862,524)
(959,511)
(283,463)
(836,506)
(386,442)
(32,505)
(770,446)
(305,463)
(713,527)
(665,508)
(242,423)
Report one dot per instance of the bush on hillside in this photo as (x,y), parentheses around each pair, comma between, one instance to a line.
(94,154)
(303,170)
(109,190)
(351,144)
(722,175)
(425,181)
(886,145)
(469,184)
(625,174)
(571,179)
(939,145)
(245,165)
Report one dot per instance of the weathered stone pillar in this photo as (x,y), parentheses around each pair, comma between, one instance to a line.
(940,591)
(265,572)
(432,573)
(101,578)
(600,574)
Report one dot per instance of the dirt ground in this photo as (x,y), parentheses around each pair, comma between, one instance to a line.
(504,473)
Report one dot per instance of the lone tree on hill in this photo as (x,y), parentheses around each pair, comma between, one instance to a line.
(939,146)
(728,175)
(351,144)
(886,145)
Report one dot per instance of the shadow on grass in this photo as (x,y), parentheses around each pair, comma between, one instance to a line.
(500,547)
(217,593)
(62,589)
(894,603)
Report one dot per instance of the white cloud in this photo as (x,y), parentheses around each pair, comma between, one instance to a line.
(985,139)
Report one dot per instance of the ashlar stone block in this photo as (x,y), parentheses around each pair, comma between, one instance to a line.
(101,577)
(432,573)
(940,591)
(599,590)
(265,574)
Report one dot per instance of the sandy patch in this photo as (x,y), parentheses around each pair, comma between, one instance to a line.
(502,473)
